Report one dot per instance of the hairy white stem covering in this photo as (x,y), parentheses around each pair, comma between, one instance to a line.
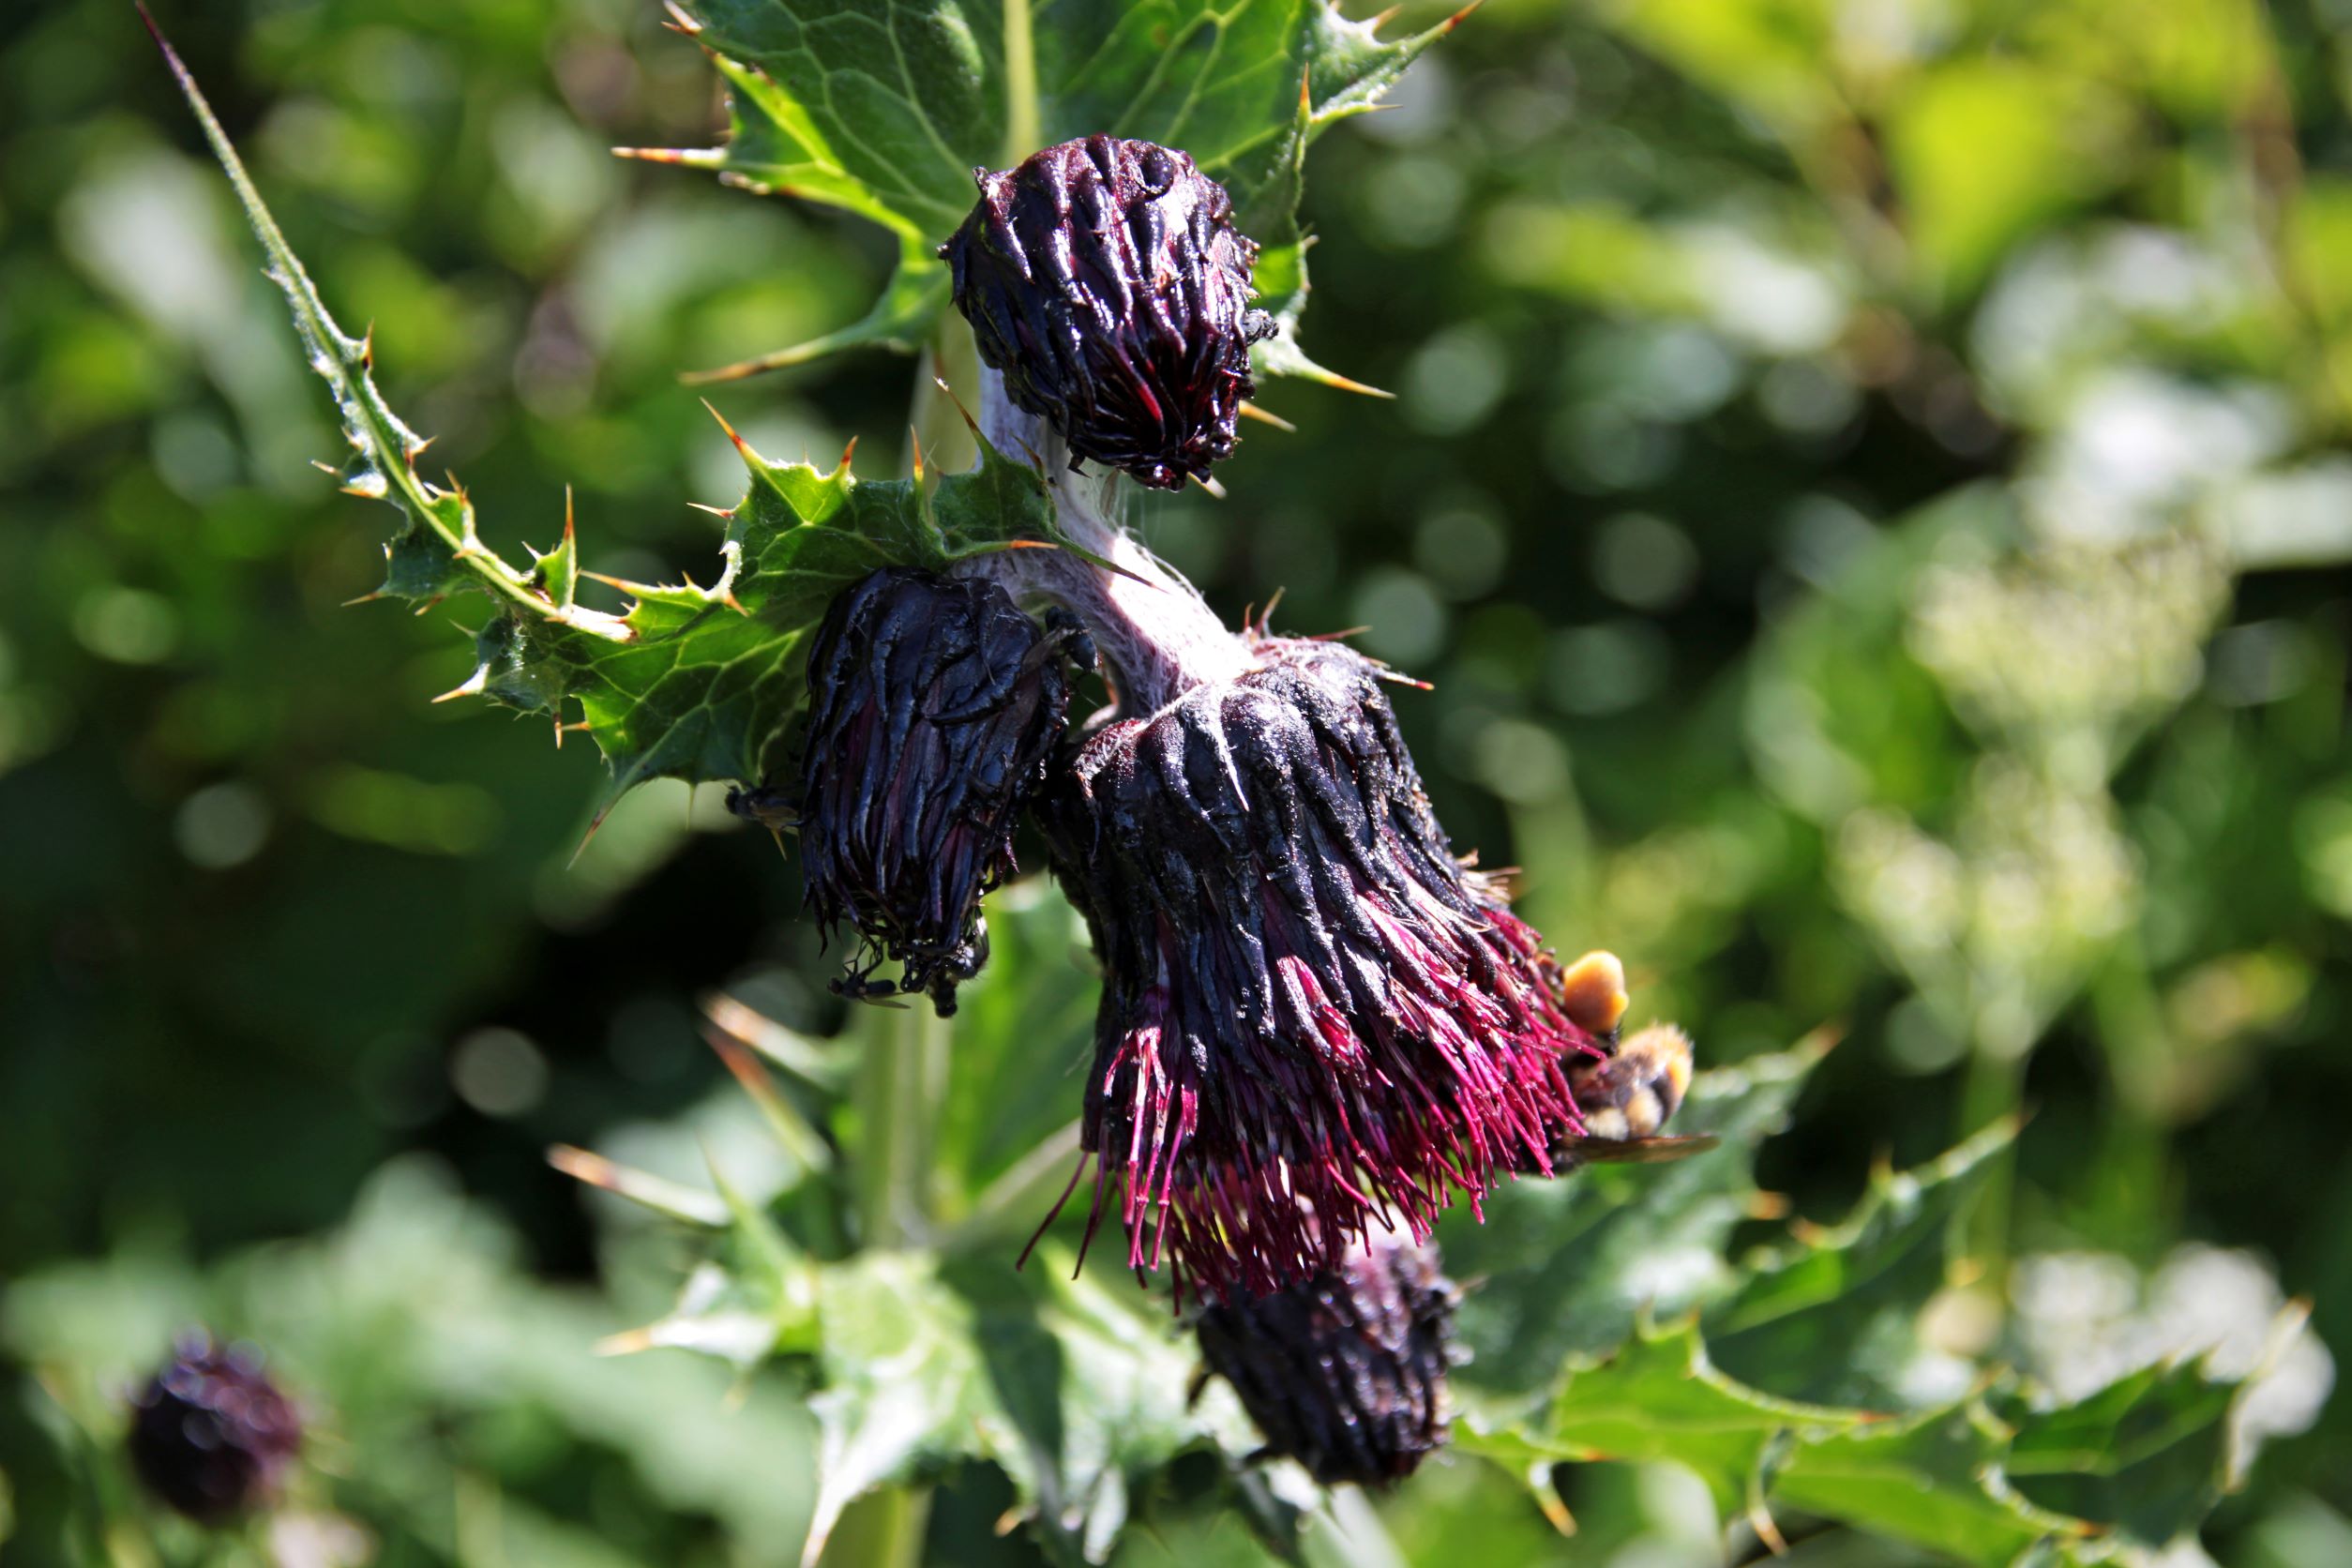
(1157,636)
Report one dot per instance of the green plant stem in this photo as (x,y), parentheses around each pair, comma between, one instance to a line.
(1995,1088)
(1023,124)
(899,1086)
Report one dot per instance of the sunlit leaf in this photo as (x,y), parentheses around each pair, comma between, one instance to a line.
(1567,1266)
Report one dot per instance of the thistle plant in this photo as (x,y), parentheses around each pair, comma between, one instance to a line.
(1321,1032)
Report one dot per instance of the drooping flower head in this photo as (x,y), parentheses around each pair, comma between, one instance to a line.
(1106,280)
(210,1435)
(1313,1015)
(1344,1372)
(935,704)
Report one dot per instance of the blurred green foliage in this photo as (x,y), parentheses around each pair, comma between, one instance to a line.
(1868,483)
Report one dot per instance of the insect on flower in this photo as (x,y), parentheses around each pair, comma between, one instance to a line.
(934,705)
(1314,1018)
(1106,280)
(1627,1097)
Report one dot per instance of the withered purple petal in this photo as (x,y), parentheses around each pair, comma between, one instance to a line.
(1106,280)
(935,705)
(1313,1015)
(1345,1372)
(210,1435)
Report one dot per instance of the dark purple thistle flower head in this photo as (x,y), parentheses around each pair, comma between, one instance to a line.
(1106,280)
(1313,1015)
(935,704)
(211,1435)
(1344,1372)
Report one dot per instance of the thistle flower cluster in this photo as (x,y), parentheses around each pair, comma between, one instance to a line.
(211,1436)
(1318,1026)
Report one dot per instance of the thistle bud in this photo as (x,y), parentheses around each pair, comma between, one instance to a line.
(1344,1372)
(210,1435)
(1313,1015)
(1106,280)
(934,706)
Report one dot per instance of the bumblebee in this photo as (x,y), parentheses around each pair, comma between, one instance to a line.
(1627,1097)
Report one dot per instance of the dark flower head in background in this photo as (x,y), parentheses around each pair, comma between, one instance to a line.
(210,1435)
(1345,1372)
(1106,280)
(1312,1017)
(935,704)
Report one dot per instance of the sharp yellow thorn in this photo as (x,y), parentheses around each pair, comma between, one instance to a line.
(325,467)
(681,19)
(1759,1520)
(743,369)
(473,685)
(847,453)
(1383,19)
(1209,484)
(1448,26)
(1251,411)
(364,598)
(971,424)
(727,512)
(1539,1480)
(741,446)
(1332,379)
(916,437)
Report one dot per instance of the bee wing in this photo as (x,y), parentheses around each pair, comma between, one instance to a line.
(1637,1150)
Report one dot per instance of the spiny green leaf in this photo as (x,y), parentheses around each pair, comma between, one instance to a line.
(1076,1394)
(436,551)
(2148,1454)
(1659,1397)
(1831,1317)
(1935,1481)
(885,108)
(1567,1266)
(691,682)
(1282,289)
